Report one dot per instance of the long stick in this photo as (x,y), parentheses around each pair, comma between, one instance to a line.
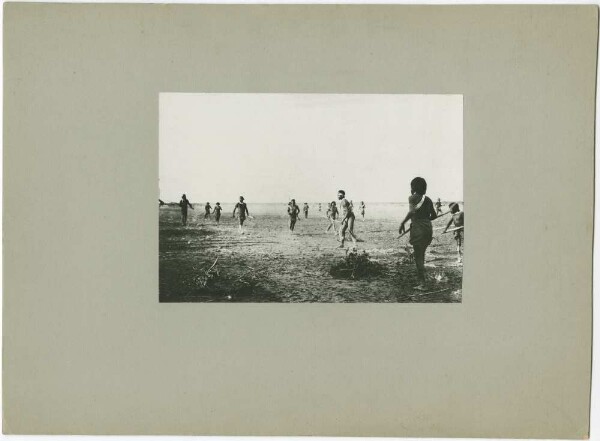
(406,231)
(453,229)
(213,265)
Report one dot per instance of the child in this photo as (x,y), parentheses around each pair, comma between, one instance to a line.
(362,209)
(420,213)
(207,208)
(334,210)
(305,208)
(331,215)
(217,211)
(458,218)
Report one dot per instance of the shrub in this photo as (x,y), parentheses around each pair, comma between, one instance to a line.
(355,265)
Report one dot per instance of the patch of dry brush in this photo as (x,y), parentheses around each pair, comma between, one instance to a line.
(355,265)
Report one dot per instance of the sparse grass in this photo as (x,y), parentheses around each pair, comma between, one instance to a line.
(269,265)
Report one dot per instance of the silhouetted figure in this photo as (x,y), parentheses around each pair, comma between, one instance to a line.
(420,213)
(184,204)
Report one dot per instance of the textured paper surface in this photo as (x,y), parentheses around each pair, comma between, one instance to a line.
(88,348)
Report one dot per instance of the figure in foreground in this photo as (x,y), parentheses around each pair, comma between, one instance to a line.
(458,219)
(347,219)
(293,211)
(184,204)
(420,212)
(242,210)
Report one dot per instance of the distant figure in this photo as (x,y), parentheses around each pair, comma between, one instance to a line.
(184,204)
(319,207)
(331,216)
(362,207)
(347,219)
(217,211)
(293,211)
(421,213)
(305,209)
(438,207)
(458,218)
(242,210)
(334,210)
(160,203)
(207,209)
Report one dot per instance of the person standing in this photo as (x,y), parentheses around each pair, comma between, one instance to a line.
(293,212)
(217,211)
(420,212)
(438,207)
(347,219)
(242,210)
(458,219)
(334,210)
(184,204)
(207,209)
(305,208)
(362,207)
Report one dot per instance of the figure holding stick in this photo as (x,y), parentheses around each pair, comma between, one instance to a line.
(458,218)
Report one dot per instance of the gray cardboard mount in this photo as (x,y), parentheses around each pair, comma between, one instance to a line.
(89,349)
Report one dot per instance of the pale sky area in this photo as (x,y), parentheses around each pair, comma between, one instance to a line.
(273,147)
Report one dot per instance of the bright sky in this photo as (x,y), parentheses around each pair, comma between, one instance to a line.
(273,147)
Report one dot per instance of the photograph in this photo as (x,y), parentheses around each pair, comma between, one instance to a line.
(311,198)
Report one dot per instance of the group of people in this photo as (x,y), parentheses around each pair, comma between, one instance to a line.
(184,204)
(421,211)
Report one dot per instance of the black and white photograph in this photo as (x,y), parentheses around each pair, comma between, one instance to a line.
(291,198)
